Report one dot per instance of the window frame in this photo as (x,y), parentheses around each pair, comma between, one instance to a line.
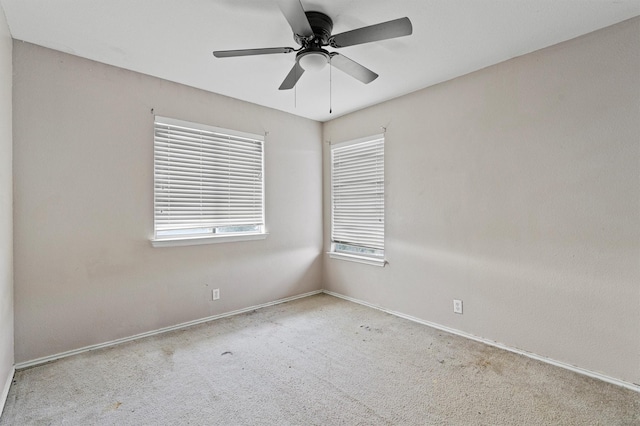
(376,255)
(207,234)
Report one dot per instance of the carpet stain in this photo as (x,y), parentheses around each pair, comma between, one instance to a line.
(116,405)
(484,364)
(168,351)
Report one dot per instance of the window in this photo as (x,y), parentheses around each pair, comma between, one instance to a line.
(357,200)
(208,184)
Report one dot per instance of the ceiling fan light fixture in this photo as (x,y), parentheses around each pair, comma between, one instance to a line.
(313,61)
(312,30)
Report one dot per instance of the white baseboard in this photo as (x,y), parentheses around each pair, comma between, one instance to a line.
(44,360)
(593,374)
(5,390)
(579,370)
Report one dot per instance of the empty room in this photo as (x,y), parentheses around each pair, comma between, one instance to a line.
(319,212)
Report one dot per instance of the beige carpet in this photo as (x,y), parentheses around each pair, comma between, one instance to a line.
(315,361)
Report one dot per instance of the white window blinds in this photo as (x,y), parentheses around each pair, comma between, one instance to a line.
(207,180)
(357,195)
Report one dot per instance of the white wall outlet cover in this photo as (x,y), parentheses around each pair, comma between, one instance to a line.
(215,294)
(457,306)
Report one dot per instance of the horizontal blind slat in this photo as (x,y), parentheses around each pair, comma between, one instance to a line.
(206,178)
(357,179)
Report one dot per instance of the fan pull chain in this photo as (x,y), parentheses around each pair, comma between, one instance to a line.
(330,87)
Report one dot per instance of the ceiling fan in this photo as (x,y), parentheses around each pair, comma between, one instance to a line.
(312,31)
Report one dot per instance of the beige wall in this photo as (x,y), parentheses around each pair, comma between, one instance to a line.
(6,210)
(85,272)
(515,189)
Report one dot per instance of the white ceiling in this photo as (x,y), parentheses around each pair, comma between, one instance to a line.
(174,40)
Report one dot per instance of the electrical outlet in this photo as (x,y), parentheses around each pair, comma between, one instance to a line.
(457,306)
(215,294)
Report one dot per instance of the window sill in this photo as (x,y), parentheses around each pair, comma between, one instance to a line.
(208,239)
(357,259)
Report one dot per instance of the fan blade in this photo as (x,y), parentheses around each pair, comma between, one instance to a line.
(383,31)
(353,68)
(292,78)
(294,13)
(249,52)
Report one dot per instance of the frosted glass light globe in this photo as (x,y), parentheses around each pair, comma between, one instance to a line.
(313,61)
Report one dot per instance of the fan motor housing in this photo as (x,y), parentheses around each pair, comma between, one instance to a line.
(321,25)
